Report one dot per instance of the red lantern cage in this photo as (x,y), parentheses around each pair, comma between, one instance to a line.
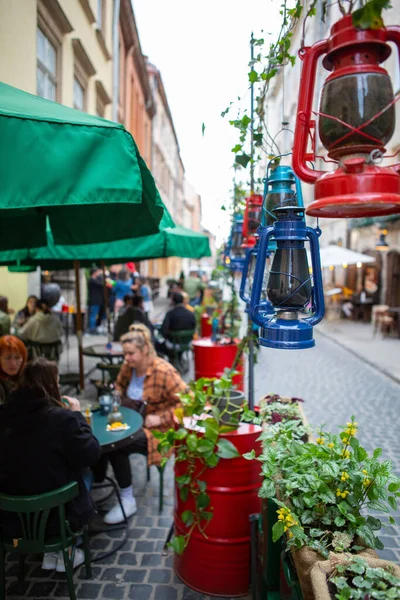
(356,119)
(252,219)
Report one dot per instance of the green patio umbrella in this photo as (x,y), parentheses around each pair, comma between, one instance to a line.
(82,174)
(171,241)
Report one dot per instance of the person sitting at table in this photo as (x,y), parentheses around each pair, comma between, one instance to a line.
(13,356)
(43,327)
(134,313)
(5,321)
(25,313)
(44,445)
(149,385)
(178,318)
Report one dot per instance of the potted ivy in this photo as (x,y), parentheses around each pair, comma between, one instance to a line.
(216,489)
(323,492)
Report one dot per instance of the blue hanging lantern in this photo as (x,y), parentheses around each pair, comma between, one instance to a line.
(289,290)
(281,188)
(237,253)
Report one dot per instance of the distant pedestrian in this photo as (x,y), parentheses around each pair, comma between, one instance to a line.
(95,297)
(5,321)
(122,287)
(193,286)
(145,291)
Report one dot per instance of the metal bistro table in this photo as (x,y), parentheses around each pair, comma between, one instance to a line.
(109,442)
(101,351)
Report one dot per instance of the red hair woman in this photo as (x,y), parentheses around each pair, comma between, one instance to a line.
(13,357)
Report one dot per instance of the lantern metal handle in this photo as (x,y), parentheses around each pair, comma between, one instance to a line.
(267,307)
(317,289)
(242,291)
(309,56)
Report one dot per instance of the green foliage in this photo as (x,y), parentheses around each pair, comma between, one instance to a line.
(356,580)
(198,445)
(327,487)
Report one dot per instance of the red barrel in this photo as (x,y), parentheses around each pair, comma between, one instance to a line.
(205,325)
(211,359)
(220,564)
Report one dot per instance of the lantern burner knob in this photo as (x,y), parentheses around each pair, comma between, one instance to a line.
(354,165)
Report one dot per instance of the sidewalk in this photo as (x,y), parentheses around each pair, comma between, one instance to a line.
(379,352)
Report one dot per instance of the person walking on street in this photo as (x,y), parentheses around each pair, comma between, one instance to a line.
(95,297)
(193,286)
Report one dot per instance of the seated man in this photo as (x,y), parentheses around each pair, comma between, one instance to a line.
(178,318)
(133,313)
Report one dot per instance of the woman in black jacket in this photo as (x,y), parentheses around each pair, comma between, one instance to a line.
(43,446)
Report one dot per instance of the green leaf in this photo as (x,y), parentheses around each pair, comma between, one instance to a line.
(203,128)
(360,454)
(205,447)
(250,455)
(181,433)
(192,441)
(392,502)
(207,515)
(211,429)
(253,76)
(339,521)
(202,501)
(237,148)
(377,452)
(393,487)
(278,530)
(212,460)
(202,485)
(243,160)
(178,544)
(267,489)
(187,517)
(184,494)
(226,449)
(367,536)
(182,480)
(374,524)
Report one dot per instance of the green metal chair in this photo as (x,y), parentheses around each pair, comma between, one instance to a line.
(33,513)
(109,374)
(51,351)
(182,345)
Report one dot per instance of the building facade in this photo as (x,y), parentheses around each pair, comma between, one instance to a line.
(281,107)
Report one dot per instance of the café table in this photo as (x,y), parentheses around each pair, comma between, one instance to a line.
(109,442)
(102,352)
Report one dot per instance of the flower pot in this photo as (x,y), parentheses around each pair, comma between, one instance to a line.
(219,564)
(230,406)
(212,358)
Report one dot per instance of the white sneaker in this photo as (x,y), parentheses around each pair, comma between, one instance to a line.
(49,561)
(79,559)
(115,514)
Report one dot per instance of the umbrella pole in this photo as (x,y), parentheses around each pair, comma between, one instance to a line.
(79,327)
(106,303)
(249,321)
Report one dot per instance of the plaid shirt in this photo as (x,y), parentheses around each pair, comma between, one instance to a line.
(161,384)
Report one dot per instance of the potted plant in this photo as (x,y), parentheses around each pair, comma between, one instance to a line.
(356,578)
(216,491)
(275,409)
(323,492)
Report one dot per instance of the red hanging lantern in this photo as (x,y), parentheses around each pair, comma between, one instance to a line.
(252,219)
(356,121)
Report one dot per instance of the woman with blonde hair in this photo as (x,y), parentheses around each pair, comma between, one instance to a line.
(149,385)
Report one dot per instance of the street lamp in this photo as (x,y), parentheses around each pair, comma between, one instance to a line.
(356,119)
(290,290)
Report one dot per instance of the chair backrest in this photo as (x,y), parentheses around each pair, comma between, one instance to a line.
(182,337)
(33,513)
(112,370)
(51,351)
(379,309)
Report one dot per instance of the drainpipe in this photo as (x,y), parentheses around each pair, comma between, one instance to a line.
(115,95)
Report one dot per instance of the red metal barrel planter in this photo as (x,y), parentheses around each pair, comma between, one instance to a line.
(220,564)
(211,359)
(205,325)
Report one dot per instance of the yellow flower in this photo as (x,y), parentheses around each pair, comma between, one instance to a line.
(331,445)
(365,471)
(341,494)
(346,454)
(320,441)
(366,482)
(350,424)
(281,517)
(344,476)
(345,440)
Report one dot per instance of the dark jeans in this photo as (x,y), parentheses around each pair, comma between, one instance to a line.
(119,460)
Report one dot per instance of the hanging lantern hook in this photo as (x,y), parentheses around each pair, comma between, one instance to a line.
(376,156)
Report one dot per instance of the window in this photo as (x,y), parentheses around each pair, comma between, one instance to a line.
(79,95)
(101,14)
(46,67)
